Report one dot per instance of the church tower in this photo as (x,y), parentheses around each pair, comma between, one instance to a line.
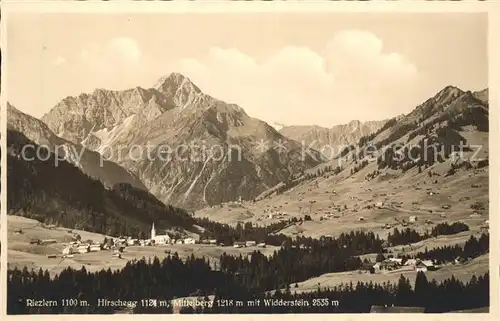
(153,231)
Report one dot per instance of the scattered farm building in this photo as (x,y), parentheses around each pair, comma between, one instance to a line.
(411,262)
(95,248)
(396,260)
(83,249)
(368,267)
(44,242)
(131,242)
(67,250)
(189,240)
(239,244)
(425,266)
(35,241)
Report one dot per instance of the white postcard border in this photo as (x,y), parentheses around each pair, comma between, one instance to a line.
(181,7)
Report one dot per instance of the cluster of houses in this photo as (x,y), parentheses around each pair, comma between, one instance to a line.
(82,247)
(117,245)
(275,214)
(163,239)
(328,215)
(391,264)
(240,244)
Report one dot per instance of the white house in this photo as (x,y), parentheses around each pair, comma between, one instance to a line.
(239,244)
(94,248)
(180,241)
(162,239)
(251,243)
(83,249)
(131,242)
(424,266)
(395,260)
(213,241)
(67,250)
(379,204)
(413,219)
(411,262)
(51,241)
(189,240)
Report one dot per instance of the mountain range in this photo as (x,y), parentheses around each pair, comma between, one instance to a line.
(329,141)
(90,162)
(432,163)
(191,150)
(215,151)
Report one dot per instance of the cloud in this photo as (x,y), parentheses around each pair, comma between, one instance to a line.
(84,54)
(351,78)
(117,64)
(124,48)
(115,51)
(59,61)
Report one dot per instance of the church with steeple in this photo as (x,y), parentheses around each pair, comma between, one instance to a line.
(153,231)
(159,239)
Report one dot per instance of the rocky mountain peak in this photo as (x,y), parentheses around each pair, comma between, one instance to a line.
(482,95)
(448,94)
(179,89)
(175,81)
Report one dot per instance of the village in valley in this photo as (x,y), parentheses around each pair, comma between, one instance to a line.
(116,246)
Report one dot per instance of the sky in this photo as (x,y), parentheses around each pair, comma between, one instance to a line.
(291,68)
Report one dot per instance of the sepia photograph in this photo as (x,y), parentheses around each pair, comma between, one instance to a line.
(247,163)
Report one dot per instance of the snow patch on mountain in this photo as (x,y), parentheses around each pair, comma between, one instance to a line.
(109,136)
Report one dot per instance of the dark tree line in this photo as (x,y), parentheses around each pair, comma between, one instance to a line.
(359,166)
(473,248)
(162,280)
(227,234)
(449,229)
(365,139)
(438,147)
(405,236)
(301,259)
(409,235)
(170,278)
(449,295)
